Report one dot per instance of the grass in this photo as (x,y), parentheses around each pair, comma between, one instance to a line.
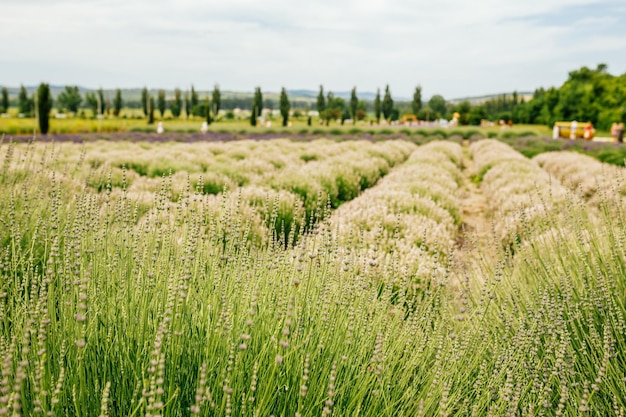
(152,296)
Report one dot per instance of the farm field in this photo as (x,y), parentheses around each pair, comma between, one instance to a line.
(401,276)
(75,125)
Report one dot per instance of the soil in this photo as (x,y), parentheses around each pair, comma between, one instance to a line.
(475,241)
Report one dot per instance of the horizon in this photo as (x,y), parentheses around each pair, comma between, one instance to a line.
(450,48)
(294,92)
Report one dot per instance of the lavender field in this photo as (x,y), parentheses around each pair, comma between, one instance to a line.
(299,276)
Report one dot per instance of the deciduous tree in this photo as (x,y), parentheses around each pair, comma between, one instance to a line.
(438,105)
(70,98)
(92,102)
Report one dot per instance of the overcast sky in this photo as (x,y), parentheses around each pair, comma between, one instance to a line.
(456,48)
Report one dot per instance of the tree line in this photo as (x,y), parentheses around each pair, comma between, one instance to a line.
(588,95)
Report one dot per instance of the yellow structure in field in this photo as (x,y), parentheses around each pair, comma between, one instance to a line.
(408,118)
(573,130)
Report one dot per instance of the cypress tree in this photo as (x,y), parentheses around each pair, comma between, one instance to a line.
(258,101)
(5,100)
(101,101)
(207,109)
(253,115)
(354,105)
(44,105)
(150,109)
(23,102)
(387,103)
(321,102)
(194,98)
(187,106)
(177,103)
(377,106)
(117,102)
(161,102)
(216,99)
(417,100)
(144,101)
(284,106)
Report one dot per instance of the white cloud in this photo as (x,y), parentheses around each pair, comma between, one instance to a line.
(451,47)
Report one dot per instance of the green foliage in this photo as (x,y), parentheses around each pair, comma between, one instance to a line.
(438,105)
(150,110)
(253,114)
(257,103)
(207,110)
(187,102)
(591,95)
(194,101)
(321,101)
(145,96)
(4,104)
(161,102)
(24,103)
(416,104)
(101,101)
(70,99)
(44,105)
(426,113)
(335,109)
(188,303)
(216,100)
(463,108)
(117,102)
(377,106)
(387,105)
(354,105)
(476,115)
(92,102)
(176,106)
(284,106)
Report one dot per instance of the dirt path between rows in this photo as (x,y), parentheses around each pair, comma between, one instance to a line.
(475,242)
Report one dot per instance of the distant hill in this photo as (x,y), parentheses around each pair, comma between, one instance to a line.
(481,99)
(367,95)
(302,96)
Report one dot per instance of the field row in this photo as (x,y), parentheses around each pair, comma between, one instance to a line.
(318,285)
